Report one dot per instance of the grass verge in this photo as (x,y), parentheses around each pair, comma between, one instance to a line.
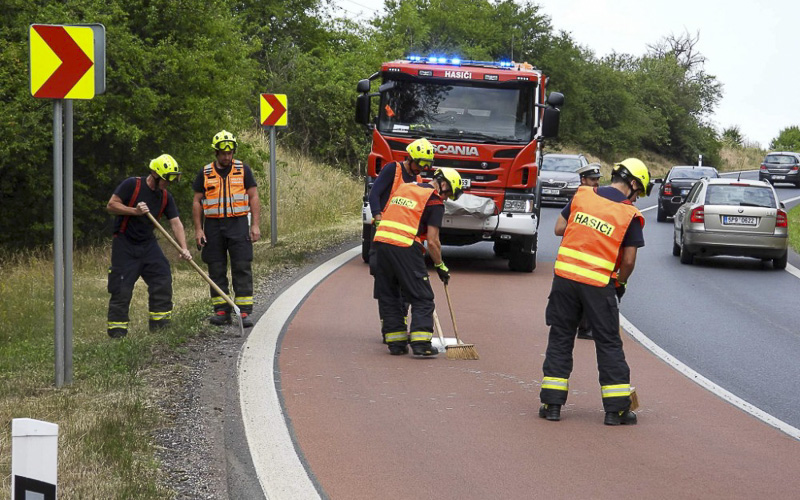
(108,415)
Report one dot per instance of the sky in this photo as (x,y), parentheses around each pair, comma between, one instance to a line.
(752,47)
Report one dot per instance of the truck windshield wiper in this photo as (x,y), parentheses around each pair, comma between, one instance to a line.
(468,134)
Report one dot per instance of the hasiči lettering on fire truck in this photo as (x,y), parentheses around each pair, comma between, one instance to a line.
(594,223)
(486,119)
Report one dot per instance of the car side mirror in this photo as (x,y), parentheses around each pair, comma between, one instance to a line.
(658,180)
(783,205)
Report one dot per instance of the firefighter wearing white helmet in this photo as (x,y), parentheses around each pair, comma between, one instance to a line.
(226,214)
(135,251)
(602,232)
(414,214)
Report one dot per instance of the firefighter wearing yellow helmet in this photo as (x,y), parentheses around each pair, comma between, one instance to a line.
(226,214)
(413,214)
(602,232)
(135,251)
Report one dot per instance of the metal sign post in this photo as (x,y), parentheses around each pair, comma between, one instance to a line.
(274,113)
(66,62)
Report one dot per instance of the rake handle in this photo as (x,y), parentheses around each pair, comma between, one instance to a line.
(452,315)
(193,263)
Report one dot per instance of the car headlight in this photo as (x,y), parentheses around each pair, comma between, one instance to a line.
(574,184)
(518,205)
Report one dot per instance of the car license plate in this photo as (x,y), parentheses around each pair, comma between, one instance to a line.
(550,191)
(737,220)
(466,183)
(779,177)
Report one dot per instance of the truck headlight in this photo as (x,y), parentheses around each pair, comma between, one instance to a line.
(512,205)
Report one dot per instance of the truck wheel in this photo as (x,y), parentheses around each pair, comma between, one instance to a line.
(522,255)
(366,241)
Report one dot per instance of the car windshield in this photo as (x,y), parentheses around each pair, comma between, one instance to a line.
(468,111)
(692,173)
(740,195)
(780,159)
(561,164)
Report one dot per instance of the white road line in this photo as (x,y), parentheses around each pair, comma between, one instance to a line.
(280,471)
(706,383)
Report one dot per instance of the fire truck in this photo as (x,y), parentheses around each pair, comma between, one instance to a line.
(486,119)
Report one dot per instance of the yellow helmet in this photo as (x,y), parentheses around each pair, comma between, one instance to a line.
(453,178)
(632,167)
(421,151)
(224,141)
(166,167)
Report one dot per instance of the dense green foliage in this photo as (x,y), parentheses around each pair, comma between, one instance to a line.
(788,140)
(179,71)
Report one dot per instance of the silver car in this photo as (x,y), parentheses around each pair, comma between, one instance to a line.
(731,217)
(559,177)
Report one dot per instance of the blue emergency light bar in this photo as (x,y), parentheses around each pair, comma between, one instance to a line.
(455,61)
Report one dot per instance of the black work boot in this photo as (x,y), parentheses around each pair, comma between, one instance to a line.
(220,318)
(624,417)
(246,321)
(157,325)
(117,333)
(550,412)
(397,348)
(423,349)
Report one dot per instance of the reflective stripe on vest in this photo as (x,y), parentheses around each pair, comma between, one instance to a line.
(400,222)
(616,391)
(589,251)
(225,197)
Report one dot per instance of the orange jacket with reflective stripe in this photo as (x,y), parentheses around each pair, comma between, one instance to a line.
(225,197)
(590,250)
(398,178)
(400,222)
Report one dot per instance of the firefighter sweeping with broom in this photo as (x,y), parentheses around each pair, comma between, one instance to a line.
(602,232)
(413,214)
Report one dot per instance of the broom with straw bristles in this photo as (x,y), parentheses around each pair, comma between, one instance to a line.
(460,350)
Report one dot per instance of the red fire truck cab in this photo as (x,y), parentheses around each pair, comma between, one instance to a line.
(488,121)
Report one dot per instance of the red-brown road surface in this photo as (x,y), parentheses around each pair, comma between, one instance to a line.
(375,426)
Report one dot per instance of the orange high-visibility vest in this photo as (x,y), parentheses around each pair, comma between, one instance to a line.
(590,250)
(400,222)
(225,197)
(398,178)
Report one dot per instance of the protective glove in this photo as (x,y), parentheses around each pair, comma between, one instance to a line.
(443,272)
(620,291)
(376,223)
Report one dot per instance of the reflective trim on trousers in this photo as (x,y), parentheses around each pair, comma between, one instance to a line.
(396,337)
(557,384)
(421,336)
(158,316)
(616,391)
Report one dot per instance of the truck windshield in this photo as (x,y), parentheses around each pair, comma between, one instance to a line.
(465,111)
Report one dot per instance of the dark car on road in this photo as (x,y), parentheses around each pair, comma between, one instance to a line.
(780,166)
(732,217)
(676,186)
(559,176)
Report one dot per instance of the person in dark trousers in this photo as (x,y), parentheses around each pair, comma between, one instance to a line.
(391,176)
(602,232)
(590,176)
(135,251)
(413,214)
(225,194)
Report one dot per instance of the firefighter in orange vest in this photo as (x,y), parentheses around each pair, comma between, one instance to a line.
(225,193)
(135,251)
(413,213)
(590,176)
(420,157)
(602,232)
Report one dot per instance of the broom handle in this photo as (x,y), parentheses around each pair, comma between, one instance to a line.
(453,316)
(193,263)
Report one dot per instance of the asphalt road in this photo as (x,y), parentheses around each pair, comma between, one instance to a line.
(362,424)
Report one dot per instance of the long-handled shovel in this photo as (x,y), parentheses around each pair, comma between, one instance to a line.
(460,350)
(200,272)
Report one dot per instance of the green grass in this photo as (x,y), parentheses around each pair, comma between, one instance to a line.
(107,416)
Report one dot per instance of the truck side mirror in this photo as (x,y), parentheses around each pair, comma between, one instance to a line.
(363,86)
(362,108)
(550,121)
(555,99)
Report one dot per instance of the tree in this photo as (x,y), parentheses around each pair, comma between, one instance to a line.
(732,137)
(788,140)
